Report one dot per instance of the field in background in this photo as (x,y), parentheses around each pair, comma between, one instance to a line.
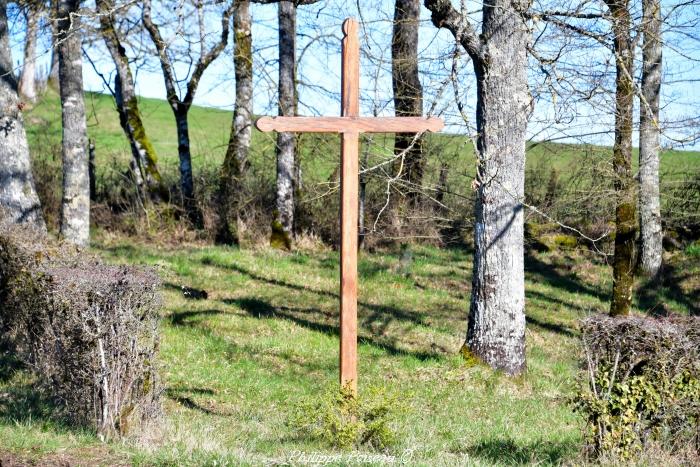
(209,132)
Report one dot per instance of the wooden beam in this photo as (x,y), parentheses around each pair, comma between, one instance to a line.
(349,207)
(350,124)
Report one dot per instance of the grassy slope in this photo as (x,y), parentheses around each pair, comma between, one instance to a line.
(237,364)
(209,132)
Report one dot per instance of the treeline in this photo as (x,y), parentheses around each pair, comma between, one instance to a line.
(584,56)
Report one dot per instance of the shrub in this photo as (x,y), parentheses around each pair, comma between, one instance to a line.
(643,384)
(345,421)
(88,330)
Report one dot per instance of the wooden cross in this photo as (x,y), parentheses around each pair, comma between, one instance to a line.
(349,126)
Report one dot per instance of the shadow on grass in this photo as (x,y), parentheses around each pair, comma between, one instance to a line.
(302,316)
(508,452)
(229,348)
(21,399)
(555,328)
(183,396)
(382,312)
(652,296)
(560,281)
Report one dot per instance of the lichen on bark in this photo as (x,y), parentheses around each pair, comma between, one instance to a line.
(236,159)
(624,260)
(75,203)
(143,153)
(19,202)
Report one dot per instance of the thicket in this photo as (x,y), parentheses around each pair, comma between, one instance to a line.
(642,385)
(89,331)
(571,185)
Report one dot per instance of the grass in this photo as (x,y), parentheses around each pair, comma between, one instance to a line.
(236,365)
(209,133)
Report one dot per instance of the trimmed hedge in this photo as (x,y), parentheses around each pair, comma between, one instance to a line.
(88,330)
(643,385)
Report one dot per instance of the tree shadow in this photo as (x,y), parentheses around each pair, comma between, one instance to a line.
(384,310)
(188,318)
(24,401)
(652,295)
(561,281)
(508,452)
(231,349)
(555,328)
(183,396)
(304,317)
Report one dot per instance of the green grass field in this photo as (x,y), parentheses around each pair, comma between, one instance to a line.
(237,365)
(209,132)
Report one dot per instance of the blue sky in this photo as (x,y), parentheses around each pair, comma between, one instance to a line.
(318,48)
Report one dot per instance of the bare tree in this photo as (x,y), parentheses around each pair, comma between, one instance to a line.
(649,202)
(283,219)
(283,223)
(32,10)
(626,201)
(53,67)
(144,154)
(408,92)
(496,329)
(75,204)
(619,17)
(241,127)
(181,106)
(18,199)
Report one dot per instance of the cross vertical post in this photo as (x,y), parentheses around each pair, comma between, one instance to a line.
(349,126)
(349,210)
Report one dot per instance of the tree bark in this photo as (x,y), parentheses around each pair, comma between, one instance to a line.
(649,204)
(408,92)
(53,70)
(181,107)
(283,222)
(19,202)
(183,151)
(27,80)
(625,210)
(496,328)
(75,204)
(236,158)
(143,152)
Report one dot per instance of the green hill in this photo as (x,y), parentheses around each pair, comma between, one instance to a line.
(209,132)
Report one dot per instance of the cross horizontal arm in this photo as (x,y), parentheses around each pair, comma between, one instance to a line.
(349,124)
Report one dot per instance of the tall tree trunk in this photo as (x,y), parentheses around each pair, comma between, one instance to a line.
(649,204)
(241,127)
(135,166)
(181,107)
(27,80)
(283,223)
(408,92)
(19,203)
(52,79)
(496,328)
(143,152)
(183,151)
(75,204)
(625,210)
